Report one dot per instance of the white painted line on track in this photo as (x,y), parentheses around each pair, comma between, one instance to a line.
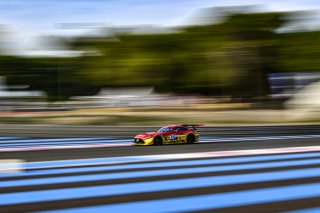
(11,165)
(38,148)
(208,140)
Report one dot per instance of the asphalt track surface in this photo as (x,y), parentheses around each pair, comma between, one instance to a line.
(265,175)
(43,131)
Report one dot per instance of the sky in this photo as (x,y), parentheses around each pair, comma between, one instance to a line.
(27,19)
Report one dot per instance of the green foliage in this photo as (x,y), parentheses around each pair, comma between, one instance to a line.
(232,57)
(299,52)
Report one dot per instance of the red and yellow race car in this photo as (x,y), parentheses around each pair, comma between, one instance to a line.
(174,134)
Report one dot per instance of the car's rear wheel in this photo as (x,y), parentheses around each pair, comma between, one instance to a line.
(157,141)
(191,138)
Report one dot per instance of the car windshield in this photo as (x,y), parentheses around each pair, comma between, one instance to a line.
(164,129)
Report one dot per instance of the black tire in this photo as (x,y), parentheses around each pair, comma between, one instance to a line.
(191,138)
(157,141)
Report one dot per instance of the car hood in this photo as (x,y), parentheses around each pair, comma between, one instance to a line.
(145,134)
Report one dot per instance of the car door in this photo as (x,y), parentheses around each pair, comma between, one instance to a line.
(167,136)
(178,135)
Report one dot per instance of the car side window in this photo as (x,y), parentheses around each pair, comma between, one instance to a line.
(164,129)
(183,129)
(179,129)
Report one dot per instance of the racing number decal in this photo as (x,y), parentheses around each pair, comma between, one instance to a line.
(176,138)
(172,137)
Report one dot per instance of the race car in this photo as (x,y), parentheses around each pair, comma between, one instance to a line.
(174,134)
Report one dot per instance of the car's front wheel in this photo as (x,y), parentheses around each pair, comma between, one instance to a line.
(157,141)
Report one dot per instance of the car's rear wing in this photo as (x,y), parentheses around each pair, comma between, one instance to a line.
(193,126)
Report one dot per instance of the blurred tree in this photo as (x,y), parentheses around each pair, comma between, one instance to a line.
(299,51)
(254,50)
(230,56)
